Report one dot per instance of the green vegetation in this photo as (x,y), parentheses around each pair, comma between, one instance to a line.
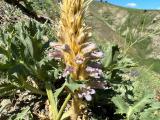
(33,85)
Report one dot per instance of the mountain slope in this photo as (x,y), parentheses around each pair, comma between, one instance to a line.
(120,25)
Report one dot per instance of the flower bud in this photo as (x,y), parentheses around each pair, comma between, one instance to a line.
(66,48)
(81,38)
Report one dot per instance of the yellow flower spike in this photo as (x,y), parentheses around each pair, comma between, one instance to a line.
(73,33)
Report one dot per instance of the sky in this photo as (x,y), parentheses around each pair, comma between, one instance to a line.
(141,4)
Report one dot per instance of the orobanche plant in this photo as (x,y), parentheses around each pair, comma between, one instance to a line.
(80,59)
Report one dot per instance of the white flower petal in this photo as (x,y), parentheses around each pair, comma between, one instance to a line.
(80,95)
(92,91)
(84,94)
(88,97)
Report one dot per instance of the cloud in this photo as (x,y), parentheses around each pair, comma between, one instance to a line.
(131,5)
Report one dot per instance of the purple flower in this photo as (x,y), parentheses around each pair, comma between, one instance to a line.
(97,54)
(88,47)
(86,92)
(56,54)
(94,72)
(99,84)
(95,65)
(79,59)
(95,75)
(55,45)
(68,70)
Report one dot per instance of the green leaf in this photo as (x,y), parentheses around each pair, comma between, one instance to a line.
(3,51)
(5,66)
(25,114)
(73,86)
(107,60)
(22,115)
(29,46)
(122,106)
(139,105)
(152,113)
(7,89)
(58,91)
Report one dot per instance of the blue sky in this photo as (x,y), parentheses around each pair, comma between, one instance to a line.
(141,4)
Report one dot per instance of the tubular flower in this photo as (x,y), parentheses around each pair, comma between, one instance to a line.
(94,72)
(97,54)
(56,54)
(73,41)
(86,92)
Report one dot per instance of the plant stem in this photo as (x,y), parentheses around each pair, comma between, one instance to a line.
(63,107)
(52,101)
